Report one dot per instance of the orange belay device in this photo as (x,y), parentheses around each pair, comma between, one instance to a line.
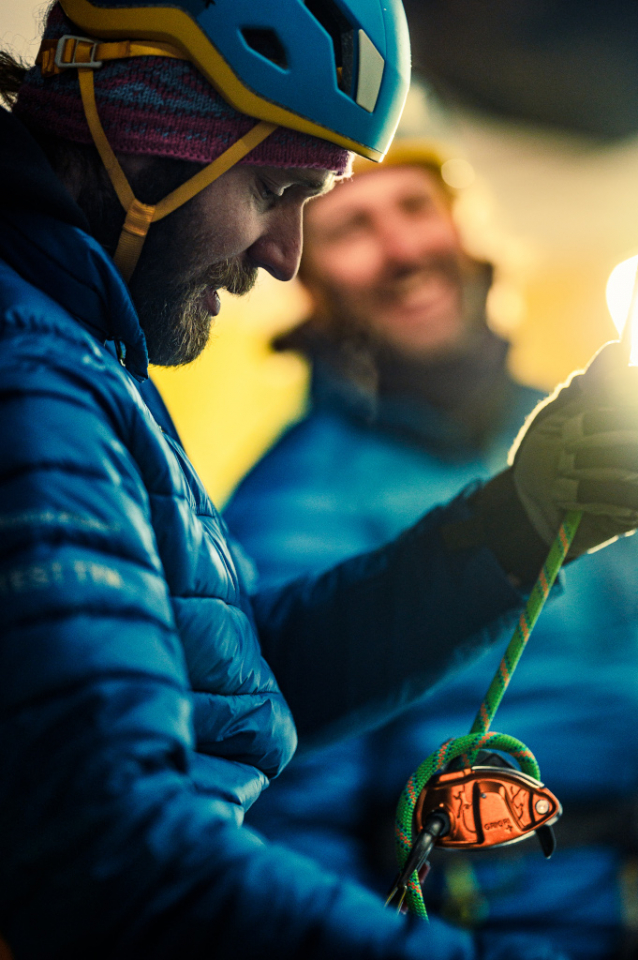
(488,806)
(488,802)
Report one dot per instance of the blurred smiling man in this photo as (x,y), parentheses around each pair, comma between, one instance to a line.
(385,257)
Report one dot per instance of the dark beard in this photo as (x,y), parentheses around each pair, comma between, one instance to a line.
(169,294)
(166,289)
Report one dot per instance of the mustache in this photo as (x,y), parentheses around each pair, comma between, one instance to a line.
(448,265)
(233,275)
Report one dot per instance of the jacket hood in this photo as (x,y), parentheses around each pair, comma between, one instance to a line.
(45,238)
(27,180)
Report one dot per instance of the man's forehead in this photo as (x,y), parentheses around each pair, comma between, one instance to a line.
(391,180)
(374,190)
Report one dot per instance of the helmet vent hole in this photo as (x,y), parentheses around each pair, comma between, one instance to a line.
(267,44)
(341,31)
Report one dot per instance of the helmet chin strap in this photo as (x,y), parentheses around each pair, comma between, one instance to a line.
(139,216)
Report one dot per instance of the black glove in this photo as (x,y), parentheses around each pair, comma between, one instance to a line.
(579,451)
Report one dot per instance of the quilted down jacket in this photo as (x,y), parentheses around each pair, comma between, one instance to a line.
(139,711)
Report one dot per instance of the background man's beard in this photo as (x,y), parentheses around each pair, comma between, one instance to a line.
(172,305)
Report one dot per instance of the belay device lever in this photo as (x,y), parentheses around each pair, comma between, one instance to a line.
(435,825)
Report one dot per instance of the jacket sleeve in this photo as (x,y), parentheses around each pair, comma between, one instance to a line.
(107,849)
(362,641)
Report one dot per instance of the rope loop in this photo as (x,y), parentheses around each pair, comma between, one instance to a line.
(467,746)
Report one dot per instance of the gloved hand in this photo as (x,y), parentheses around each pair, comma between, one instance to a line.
(579,451)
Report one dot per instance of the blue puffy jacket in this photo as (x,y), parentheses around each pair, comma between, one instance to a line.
(138,716)
(346,479)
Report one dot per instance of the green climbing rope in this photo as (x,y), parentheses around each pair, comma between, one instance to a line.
(479,737)
(526,623)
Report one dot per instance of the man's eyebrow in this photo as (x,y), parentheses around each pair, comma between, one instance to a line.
(315,184)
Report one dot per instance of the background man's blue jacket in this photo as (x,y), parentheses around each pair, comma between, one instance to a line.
(346,479)
(138,716)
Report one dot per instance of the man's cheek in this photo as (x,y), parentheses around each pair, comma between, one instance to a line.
(355,267)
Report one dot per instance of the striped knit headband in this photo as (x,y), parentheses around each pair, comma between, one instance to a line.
(161,107)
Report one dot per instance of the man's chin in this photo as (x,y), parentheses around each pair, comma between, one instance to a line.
(179,343)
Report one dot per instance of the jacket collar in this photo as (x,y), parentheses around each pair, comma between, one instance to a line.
(45,238)
(411,399)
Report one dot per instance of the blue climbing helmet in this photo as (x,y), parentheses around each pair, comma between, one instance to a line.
(333,71)
(336,69)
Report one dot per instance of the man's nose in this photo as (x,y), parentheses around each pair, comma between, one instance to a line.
(401,240)
(278,249)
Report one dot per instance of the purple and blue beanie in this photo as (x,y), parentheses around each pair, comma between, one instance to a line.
(162,107)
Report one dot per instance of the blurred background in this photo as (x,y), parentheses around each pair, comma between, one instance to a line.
(537,100)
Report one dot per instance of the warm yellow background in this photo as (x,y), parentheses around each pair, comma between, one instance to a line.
(232,402)
(563,212)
